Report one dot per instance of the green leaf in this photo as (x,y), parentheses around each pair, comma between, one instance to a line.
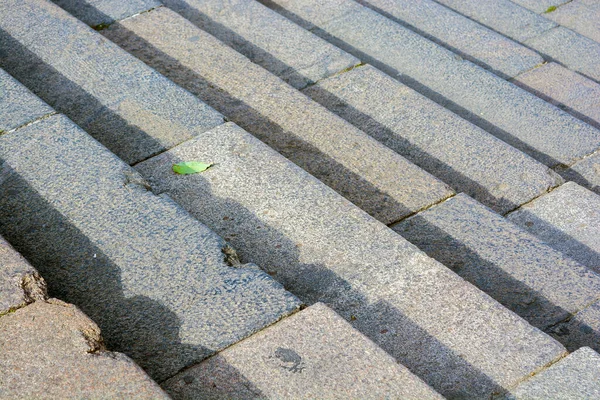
(550,9)
(190,167)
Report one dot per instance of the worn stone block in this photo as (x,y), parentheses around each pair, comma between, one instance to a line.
(98,13)
(519,118)
(51,350)
(570,91)
(365,171)
(577,52)
(437,140)
(20,283)
(153,278)
(312,354)
(120,101)
(18,105)
(508,263)
(586,172)
(579,17)
(268,39)
(324,249)
(568,219)
(575,377)
(458,33)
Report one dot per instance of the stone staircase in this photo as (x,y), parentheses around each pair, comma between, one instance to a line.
(272,274)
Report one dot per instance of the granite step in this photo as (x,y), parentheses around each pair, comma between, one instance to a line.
(503,109)
(324,249)
(554,42)
(50,349)
(575,377)
(510,264)
(437,140)
(313,354)
(154,279)
(463,36)
(368,173)
(585,172)
(356,165)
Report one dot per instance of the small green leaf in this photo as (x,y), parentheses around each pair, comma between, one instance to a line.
(550,9)
(190,167)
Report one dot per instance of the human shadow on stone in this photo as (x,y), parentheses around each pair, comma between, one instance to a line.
(78,272)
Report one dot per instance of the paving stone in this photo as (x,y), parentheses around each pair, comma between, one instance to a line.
(98,13)
(324,249)
(567,89)
(508,263)
(540,6)
(477,163)
(568,218)
(268,39)
(312,354)
(151,276)
(578,17)
(503,109)
(573,378)
(20,283)
(127,106)
(365,171)
(504,16)
(586,172)
(51,350)
(458,33)
(18,105)
(571,49)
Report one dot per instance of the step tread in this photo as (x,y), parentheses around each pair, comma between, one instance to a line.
(365,171)
(130,253)
(50,349)
(568,218)
(311,354)
(115,97)
(503,109)
(322,248)
(476,163)
(510,264)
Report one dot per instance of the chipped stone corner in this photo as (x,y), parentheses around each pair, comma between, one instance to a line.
(34,288)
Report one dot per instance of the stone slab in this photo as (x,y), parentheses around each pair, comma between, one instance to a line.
(153,278)
(51,350)
(99,13)
(313,354)
(268,39)
(581,330)
(570,49)
(124,104)
(458,33)
(357,166)
(505,16)
(518,117)
(18,106)
(324,249)
(573,378)
(20,283)
(586,172)
(514,267)
(476,162)
(578,17)
(568,218)
(566,89)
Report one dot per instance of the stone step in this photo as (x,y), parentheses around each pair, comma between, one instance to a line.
(153,278)
(456,151)
(324,249)
(368,173)
(50,349)
(568,218)
(585,172)
(503,109)
(312,354)
(576,94)
(514,267)
(577,376)
(116,98)
(101,13)
(458,33)
(554,42)
(579,16)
